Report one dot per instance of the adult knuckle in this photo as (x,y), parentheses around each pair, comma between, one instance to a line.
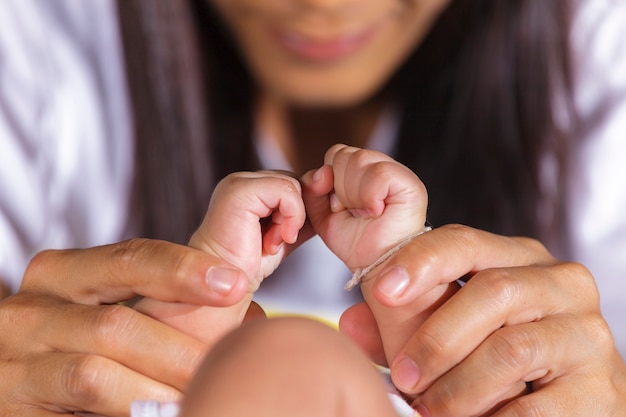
(498,285)
(460,230)
(112,322)
(465,236)
(446,395)
(38,267)
(432,345)
(513,349)
(127,253)
(578,280)
(83,377)
(577,272)
(600,334)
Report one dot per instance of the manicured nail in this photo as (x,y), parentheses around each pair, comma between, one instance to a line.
(405,374)
(393,283)
(222,280)
(154,409)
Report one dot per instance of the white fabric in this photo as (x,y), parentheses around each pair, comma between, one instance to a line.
(66,151)
(157,409)
(598,186)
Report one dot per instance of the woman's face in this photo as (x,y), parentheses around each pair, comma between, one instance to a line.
(326,52)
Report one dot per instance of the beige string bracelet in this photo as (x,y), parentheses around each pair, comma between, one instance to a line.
(360,273)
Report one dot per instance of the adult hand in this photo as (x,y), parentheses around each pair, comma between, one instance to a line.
(524,336)
(67,345)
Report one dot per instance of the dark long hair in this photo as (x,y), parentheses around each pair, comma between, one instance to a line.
(476,101)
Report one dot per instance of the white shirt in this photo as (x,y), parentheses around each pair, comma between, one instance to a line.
(66,151)
(598,184)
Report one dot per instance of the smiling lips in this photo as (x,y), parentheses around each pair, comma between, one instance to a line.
(323,50)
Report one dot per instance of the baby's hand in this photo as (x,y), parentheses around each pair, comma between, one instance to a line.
(362,203)
(250,218)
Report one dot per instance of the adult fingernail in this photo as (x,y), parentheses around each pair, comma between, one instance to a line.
(222,280)
(405,374)
(393,283)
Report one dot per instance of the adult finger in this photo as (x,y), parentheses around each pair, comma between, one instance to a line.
(492,299)
(90,383)
(120,334)
(40,330)
(539,351)
(412,284)
(359,324)
(575,394)
(120,271)
(30,411)
(426,262)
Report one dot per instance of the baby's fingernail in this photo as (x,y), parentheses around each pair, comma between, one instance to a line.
(222,280)
(405,374)
(317,175)
(393,283)
(154,409)
(335,204)
(364,213)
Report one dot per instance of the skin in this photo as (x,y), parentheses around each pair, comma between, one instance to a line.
(299,354)
(354,201)
(523,316)
(231,230)
(361,202)
(510,277)
(308,104)
(72,348)
(363,207)
(67,346)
